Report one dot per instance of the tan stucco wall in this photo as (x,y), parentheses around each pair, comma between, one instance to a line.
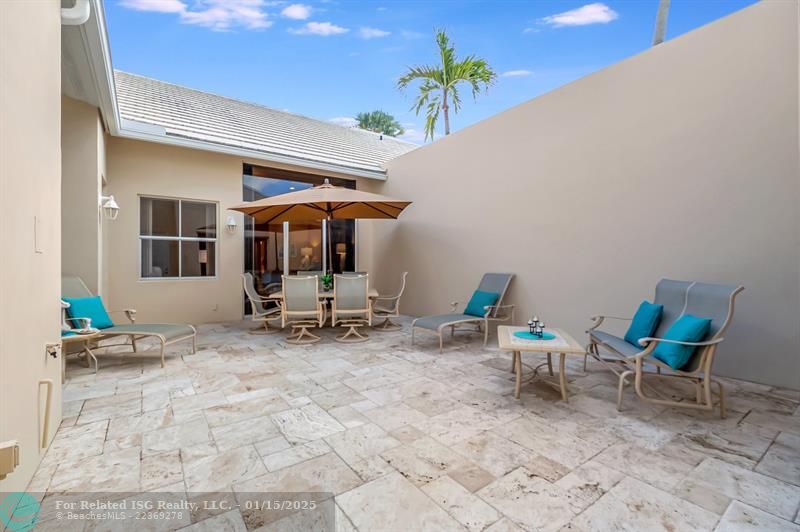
(680,162)
(83,166)
(141,168)
(30,181)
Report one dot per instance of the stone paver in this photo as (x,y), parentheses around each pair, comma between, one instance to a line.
(407,438)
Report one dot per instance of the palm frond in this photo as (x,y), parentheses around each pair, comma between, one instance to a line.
(432,116)
(420,72)
(474,71)
(455,98)
(428,91)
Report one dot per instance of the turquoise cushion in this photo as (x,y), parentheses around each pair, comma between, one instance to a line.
(688,328)
(480,299)
(89,307)
(644,322)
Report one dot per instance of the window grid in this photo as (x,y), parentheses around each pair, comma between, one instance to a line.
(180,238)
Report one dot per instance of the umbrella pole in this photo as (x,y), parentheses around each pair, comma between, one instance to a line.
(330,246)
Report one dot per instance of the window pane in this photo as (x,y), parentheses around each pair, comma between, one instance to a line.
(198,220)
(198,259)
(158,217)
(159,258)
(343,237)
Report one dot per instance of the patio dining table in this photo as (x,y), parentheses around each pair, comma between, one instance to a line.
(324,294)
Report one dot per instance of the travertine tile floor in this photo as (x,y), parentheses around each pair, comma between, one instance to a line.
(409,439)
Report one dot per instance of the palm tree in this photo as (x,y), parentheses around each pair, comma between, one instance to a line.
(439,83)
(379,122)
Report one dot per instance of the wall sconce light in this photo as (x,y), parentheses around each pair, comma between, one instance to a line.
(110,207)
(230,224)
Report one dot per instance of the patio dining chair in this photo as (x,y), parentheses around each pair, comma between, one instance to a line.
(301,308)
(485,306)
(388,307)
(714,302)
(351,306)
(262,309)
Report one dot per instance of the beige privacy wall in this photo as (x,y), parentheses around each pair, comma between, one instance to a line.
(680,162)
(30,181)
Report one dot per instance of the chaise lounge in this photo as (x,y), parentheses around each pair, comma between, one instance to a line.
(73,290)
(486,305)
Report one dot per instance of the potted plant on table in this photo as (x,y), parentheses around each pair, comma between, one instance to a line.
(327,281)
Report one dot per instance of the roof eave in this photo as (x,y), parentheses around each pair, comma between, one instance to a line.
(96,45)
(154,136)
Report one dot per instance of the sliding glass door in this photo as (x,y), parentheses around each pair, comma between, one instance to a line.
(271,250)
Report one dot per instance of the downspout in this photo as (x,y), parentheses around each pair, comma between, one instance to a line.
(77,14)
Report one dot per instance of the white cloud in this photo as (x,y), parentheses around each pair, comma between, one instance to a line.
(408,34)
(159,6)
(516,73)
(319,28)
(219,15)
(531,30)
(597,13)
(296,11)
(346,121)
(372,33)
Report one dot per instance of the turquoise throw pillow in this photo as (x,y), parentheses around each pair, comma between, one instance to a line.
(479,300)
(644,322)
(688,328)
(89,307)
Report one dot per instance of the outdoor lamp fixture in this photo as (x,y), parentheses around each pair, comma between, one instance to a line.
(230,224)
(110,207)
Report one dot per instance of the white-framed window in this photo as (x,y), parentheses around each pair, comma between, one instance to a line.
(177,238)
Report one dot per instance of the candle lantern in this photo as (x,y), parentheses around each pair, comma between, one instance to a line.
(536,327)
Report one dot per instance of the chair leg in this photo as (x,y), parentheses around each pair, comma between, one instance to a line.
(94,358)
(441,342)
(299,333)
(722,409)
(621,387)
(387,325)
(550,364)
(352,336)
(194,343)
(133,343)
(485,334)
(162,353)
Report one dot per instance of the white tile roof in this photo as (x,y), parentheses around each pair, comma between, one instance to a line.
(200,116)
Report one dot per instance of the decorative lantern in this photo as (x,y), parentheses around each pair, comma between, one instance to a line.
(536,327)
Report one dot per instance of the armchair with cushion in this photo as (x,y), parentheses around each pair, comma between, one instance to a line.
(694,318)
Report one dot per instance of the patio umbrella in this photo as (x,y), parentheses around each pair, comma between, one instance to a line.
(323,202)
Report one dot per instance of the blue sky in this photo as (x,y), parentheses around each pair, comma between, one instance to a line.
(332,59)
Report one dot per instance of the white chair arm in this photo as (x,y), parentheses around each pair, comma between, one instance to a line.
(598,320)
(130,313)
(645,341)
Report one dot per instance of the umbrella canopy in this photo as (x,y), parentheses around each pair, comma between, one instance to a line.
(324,202)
